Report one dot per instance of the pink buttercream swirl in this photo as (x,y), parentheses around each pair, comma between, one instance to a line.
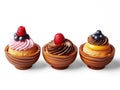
(24,45)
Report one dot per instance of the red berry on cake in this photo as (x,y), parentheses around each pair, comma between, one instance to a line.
(21,31)
(59,38)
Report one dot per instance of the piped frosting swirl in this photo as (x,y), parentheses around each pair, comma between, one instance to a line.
(64,49)
(99,42)
(24,45)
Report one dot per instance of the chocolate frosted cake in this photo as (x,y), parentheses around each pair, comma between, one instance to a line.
(60,52)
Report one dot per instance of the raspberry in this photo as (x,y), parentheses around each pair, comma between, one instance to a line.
(59,38)
(21,31)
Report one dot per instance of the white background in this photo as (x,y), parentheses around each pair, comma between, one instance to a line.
(76,19)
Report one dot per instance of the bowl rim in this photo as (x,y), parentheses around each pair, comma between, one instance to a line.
(22,57)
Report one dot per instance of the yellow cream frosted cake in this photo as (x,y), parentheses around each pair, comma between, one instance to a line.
(97,45)
(97,52)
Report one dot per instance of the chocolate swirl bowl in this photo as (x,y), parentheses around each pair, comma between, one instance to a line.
(25,58)
(97,52)
(60,52)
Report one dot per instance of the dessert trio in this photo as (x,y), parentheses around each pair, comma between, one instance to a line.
(60,52)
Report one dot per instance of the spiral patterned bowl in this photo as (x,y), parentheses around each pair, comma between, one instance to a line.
(96,63)
(57,61)
(23,62)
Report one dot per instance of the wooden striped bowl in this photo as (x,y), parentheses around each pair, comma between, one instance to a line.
(59,62)
(96,63)
(23,62)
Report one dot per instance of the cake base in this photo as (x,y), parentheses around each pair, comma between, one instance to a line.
(59,68)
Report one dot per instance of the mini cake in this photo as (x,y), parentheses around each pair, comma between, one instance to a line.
(60,52)
(97,52)
(22,51)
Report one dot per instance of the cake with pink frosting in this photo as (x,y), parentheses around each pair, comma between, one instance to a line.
(22,51)
(22,44)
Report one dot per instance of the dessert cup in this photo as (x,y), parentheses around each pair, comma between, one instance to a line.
(23,62)
(59,62)
(96,63)
(22,52)
(97,52)
(60,52)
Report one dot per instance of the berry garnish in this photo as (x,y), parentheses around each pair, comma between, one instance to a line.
(21,31)
(93,35)
(98,35)
(98,32)
(16,38)
(27,36)
(101,36)
(21,38)
(59,38)
(21,34)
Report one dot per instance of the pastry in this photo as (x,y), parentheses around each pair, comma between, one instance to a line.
(22,52)
(97,52)
(60,52)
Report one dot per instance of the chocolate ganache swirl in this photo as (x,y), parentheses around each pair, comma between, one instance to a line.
(98,38)
(63,49)
(103,41)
